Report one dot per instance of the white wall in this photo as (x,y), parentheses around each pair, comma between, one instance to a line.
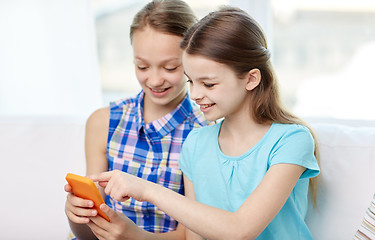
(48,61)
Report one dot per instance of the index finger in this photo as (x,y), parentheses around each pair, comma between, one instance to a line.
(101,177)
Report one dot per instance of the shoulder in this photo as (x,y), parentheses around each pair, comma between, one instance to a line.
(124,103)
(99,118)
(204,133)
(289,140)
(287,131)
(97,129)
(123,109)
(294,144)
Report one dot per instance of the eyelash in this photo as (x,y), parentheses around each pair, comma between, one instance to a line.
(170,69)
(141,68)
(207,85)
(167,69)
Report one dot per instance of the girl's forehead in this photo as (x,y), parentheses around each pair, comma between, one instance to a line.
(156,46)
(201,68)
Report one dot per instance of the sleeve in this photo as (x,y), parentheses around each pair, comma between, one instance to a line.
(366,230)
(186,158)
(296,146)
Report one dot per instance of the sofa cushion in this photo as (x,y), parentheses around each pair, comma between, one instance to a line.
(347,181)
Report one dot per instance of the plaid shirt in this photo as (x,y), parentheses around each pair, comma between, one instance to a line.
(149,151)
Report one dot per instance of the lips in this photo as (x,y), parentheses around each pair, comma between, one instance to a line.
(206,107)
(159,90)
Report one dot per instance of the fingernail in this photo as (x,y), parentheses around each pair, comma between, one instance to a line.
(93,213)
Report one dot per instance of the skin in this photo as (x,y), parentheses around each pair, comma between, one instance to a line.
(158,61)
(158,65)
(209,81)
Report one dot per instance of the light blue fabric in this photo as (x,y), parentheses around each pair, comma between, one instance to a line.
(225,182)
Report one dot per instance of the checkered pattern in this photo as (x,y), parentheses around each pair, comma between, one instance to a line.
(149,151)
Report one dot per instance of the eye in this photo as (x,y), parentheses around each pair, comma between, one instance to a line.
(170,69)
(208,85)
(142,68)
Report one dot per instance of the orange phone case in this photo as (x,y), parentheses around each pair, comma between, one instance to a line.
(84,187)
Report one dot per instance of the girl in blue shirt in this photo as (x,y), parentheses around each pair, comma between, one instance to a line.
(248,176)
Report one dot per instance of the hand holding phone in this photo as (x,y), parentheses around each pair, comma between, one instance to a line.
(84,187)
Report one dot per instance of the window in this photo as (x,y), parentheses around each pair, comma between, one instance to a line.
(113,19)
(322,51)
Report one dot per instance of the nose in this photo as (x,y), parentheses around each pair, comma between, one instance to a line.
(195,93)
(155,79)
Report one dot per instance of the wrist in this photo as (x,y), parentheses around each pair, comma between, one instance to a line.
(151,191)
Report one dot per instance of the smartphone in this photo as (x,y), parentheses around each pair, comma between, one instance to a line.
(84,187)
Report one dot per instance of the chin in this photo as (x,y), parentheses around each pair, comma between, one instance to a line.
(212,118)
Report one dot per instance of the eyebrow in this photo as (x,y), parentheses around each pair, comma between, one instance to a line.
(201,78)
(164,61)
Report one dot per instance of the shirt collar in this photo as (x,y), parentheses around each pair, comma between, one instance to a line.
(167,123)
(139,111)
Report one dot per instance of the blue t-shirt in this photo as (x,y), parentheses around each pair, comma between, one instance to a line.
(225,182)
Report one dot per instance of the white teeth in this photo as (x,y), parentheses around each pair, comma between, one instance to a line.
(206,105)
(158,90)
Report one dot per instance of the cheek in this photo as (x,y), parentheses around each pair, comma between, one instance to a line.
(177,78)
(141,76)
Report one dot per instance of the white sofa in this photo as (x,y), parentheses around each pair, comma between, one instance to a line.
(37,152)
(347,177)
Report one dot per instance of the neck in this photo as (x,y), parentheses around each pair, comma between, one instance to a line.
(153,111)
(239,126)
(240,133)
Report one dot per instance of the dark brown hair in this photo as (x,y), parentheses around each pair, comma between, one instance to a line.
(168,16)
(231,37)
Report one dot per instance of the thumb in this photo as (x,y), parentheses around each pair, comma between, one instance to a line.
(67,188)
(112,214)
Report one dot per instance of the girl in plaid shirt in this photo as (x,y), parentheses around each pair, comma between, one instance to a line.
(142,135)
(248,176)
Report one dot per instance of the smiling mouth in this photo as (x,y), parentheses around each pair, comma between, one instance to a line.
(159,90)
(207,105)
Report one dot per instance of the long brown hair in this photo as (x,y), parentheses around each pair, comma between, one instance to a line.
(168,16)
(230,36)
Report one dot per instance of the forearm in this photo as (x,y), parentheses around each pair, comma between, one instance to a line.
(178,234)
(207,221)
(254,215)
(82,231)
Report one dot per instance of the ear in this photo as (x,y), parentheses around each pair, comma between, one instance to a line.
(253,78)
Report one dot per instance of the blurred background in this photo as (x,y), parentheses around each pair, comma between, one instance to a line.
(71,57)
